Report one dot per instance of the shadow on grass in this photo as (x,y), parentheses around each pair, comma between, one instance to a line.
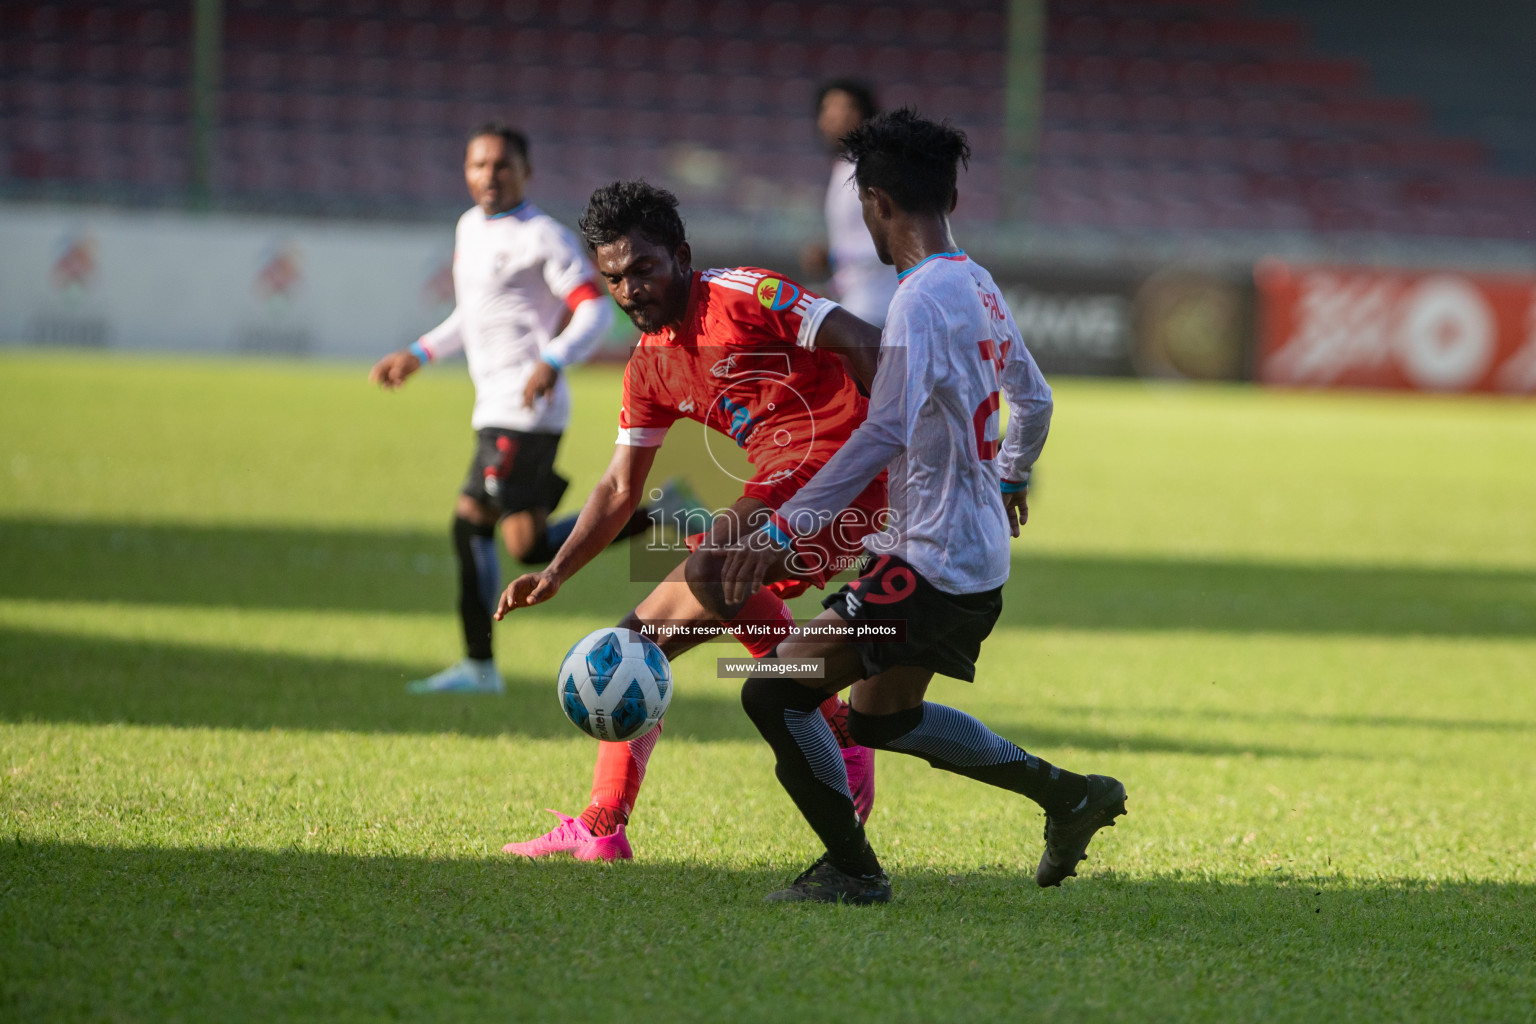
(95,680)
(1110,592)
(412,571)
(249,567)
(239,934)
(1271,718)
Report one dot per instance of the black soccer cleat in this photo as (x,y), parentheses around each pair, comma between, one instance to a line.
(824,883)
(1067,835)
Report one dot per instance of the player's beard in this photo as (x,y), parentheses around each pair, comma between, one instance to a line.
(652,317)
(645,318)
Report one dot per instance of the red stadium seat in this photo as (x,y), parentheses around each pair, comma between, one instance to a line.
(1177,98)
(681,54)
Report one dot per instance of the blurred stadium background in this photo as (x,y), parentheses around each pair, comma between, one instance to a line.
(1297,191)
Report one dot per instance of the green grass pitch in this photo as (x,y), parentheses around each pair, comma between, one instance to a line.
(1301,628)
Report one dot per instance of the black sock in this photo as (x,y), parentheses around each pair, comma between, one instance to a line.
(956,742)
(810,767)
(548,544)
(556,533)
(479,583)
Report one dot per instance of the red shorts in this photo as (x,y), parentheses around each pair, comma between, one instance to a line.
(836,548)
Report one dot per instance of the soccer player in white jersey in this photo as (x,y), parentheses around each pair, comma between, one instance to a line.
(956,494)
(527,305)
(860,282)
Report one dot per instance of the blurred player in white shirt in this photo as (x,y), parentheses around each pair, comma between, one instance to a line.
(957,491)
(860,282)
(527,306)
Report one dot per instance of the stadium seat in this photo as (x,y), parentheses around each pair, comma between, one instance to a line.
(1197,97)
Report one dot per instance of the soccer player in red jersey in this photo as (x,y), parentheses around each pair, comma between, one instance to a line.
(755,357)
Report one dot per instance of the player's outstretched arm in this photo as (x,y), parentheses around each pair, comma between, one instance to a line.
(391,371)
(855,340)
(607,510)
(444,339)
(868,450)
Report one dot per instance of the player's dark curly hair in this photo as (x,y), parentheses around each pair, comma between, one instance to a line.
(913,160)
(862,95)
(514,139)
(624,206)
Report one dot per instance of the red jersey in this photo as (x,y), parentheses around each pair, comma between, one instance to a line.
(744,362)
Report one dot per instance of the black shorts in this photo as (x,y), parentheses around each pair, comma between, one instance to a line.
(514,471)
(943,631)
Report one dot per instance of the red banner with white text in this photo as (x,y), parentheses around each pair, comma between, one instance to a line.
(1421,330)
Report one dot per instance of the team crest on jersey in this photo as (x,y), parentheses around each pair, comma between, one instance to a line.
(775,294)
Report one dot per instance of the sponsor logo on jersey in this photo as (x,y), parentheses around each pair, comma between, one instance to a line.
(775,294)
(686,405)
(724,368)
(738,420)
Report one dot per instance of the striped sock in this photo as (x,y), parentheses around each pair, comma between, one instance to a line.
(810,767)
(954,741)
(616,781)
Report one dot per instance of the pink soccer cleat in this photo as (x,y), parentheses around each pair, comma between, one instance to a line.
(860,762)
(574,838)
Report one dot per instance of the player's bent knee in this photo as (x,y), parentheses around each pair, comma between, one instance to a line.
(877,731)
(766,698)
(760,699)
(537,552)
(702,573)
(470,510)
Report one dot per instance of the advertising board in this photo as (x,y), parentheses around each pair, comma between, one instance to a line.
(1424,330)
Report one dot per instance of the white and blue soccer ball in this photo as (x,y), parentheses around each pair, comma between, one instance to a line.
(615,684)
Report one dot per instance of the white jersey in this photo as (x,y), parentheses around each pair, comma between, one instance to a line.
(949,344)
(517,276)
(860,282)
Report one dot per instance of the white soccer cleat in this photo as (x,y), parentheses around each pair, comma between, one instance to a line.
(467,676)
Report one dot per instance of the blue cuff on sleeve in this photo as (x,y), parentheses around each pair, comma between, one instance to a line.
(552,361)
(1015,486)
(420,352)
(778,536)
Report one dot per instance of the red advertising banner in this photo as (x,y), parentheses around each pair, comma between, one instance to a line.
(1421,330)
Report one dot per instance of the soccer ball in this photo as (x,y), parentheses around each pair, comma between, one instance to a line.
(615,684)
